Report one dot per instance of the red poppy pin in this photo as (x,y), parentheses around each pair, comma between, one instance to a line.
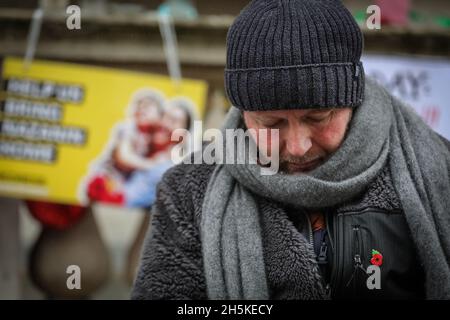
(377,258)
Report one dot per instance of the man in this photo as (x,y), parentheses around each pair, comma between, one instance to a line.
(360,207)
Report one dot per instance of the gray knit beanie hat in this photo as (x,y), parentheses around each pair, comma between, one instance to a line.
(294,54)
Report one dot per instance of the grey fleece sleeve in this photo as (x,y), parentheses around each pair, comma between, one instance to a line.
(171,261)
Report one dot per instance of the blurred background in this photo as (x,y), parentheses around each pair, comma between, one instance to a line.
(176,39)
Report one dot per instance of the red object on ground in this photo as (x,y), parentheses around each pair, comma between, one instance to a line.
(55,215)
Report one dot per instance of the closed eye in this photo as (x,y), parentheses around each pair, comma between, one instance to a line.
(319,117)
(272,124)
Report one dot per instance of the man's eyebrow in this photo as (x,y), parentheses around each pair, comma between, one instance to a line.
(320,111)
(266,117)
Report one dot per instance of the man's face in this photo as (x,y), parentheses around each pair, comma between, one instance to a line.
(307,137)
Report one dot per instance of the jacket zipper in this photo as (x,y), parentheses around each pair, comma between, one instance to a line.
(327,223)
(322,257)
(358,265)
(330,236)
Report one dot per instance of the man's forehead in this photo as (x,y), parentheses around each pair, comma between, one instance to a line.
(285,113)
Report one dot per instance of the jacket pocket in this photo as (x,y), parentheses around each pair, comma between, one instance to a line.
(356,234)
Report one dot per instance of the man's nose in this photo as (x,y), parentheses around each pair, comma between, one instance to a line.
(298,140)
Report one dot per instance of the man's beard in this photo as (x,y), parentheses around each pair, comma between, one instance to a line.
(291,164)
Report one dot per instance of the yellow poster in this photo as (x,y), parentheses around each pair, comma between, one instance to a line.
(76,134)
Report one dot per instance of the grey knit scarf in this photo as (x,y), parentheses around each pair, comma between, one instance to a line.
(382,129)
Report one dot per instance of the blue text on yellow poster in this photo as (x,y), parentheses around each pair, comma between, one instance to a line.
(73,133)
